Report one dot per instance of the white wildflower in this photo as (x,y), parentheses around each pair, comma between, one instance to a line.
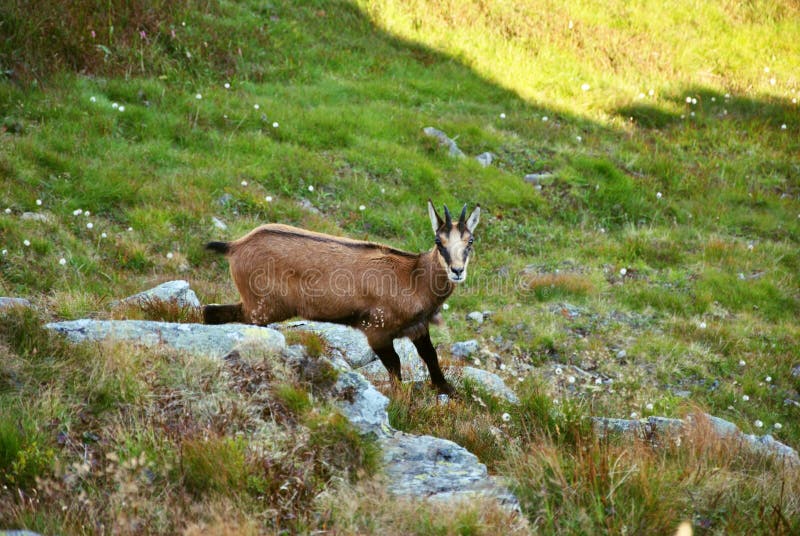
(130,229)
(87,213)
(777,426)
(26,242)
(170,255)
(558,371)
(658,195)
(570,379)
(694,101)
(89,225)
(38,202)
(446,306)
(688,100)
(506,417)
(476,362)
(114,105)
(244,183)
(598,381)
(268,199)
(275,124)
(62,261)
(362,208)
(256,106)
(103,235)
(758,423)
(121,108)
(198,96)
(651,92)
(227,85)
(746,398)
(742,362)
(783,126)
(585,87)
(578,138)
(92,99)
(623,271)
(5,252)
(768,379)
(545,118)
(772,81)
(8,211)
(766,70)
(77,212)
(634,415)
(502,116)
(649,406)
(310,187)
(702,325)
(502,366)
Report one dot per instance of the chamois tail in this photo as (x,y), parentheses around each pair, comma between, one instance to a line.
(219,247)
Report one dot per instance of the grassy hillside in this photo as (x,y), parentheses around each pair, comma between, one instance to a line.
(661,254)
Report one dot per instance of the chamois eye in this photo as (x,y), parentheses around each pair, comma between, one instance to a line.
(438,241)
(470,241)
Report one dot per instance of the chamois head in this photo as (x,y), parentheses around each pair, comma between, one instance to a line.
(454,240)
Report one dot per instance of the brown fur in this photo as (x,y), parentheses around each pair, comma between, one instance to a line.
(283,271)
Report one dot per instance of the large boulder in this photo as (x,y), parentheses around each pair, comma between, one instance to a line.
(198,339)
(6,303)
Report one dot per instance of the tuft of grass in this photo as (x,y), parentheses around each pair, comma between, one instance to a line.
(557,285)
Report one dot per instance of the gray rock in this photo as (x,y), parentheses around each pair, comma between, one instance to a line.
(452,148)
(537,179)
(475,316)
(18,533)
(309,206)
(485,159)
(796,371)
(172,291)
(606,425)
(721,427)
(490,381)
(42,217)
(224,199)
(198,339)
(350,342)
(465,348)
(362,404)
(219,224)
(13,302)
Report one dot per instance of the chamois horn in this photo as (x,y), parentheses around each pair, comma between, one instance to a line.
(448,220)
(462,220)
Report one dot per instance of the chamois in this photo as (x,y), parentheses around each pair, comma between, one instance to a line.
(283,271)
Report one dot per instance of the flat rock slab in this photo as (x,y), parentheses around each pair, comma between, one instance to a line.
(13,302)
(198,339)
(177,291)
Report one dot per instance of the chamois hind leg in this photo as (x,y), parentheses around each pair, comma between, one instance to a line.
(428,354)
(391,361)
(222,314)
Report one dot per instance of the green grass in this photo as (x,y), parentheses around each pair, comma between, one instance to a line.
(670,228)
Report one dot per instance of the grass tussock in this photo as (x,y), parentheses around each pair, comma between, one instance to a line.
(158,310)
(553,286)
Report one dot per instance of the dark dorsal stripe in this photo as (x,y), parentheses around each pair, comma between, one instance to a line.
(339,242)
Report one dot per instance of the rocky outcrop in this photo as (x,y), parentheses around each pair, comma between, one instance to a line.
(491,382)
(416,466)
(444,139)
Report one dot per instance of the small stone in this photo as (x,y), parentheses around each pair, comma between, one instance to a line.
(219,224)
(475,316)
(465,348)
(536,179)
(485,159)
(37,216)
(622,354)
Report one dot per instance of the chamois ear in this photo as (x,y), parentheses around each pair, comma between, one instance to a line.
(474,218)
(436,221)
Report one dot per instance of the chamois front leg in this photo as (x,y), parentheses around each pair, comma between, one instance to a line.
(391,361)
(428,354)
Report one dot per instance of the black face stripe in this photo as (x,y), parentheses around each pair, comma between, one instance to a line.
(444,253)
